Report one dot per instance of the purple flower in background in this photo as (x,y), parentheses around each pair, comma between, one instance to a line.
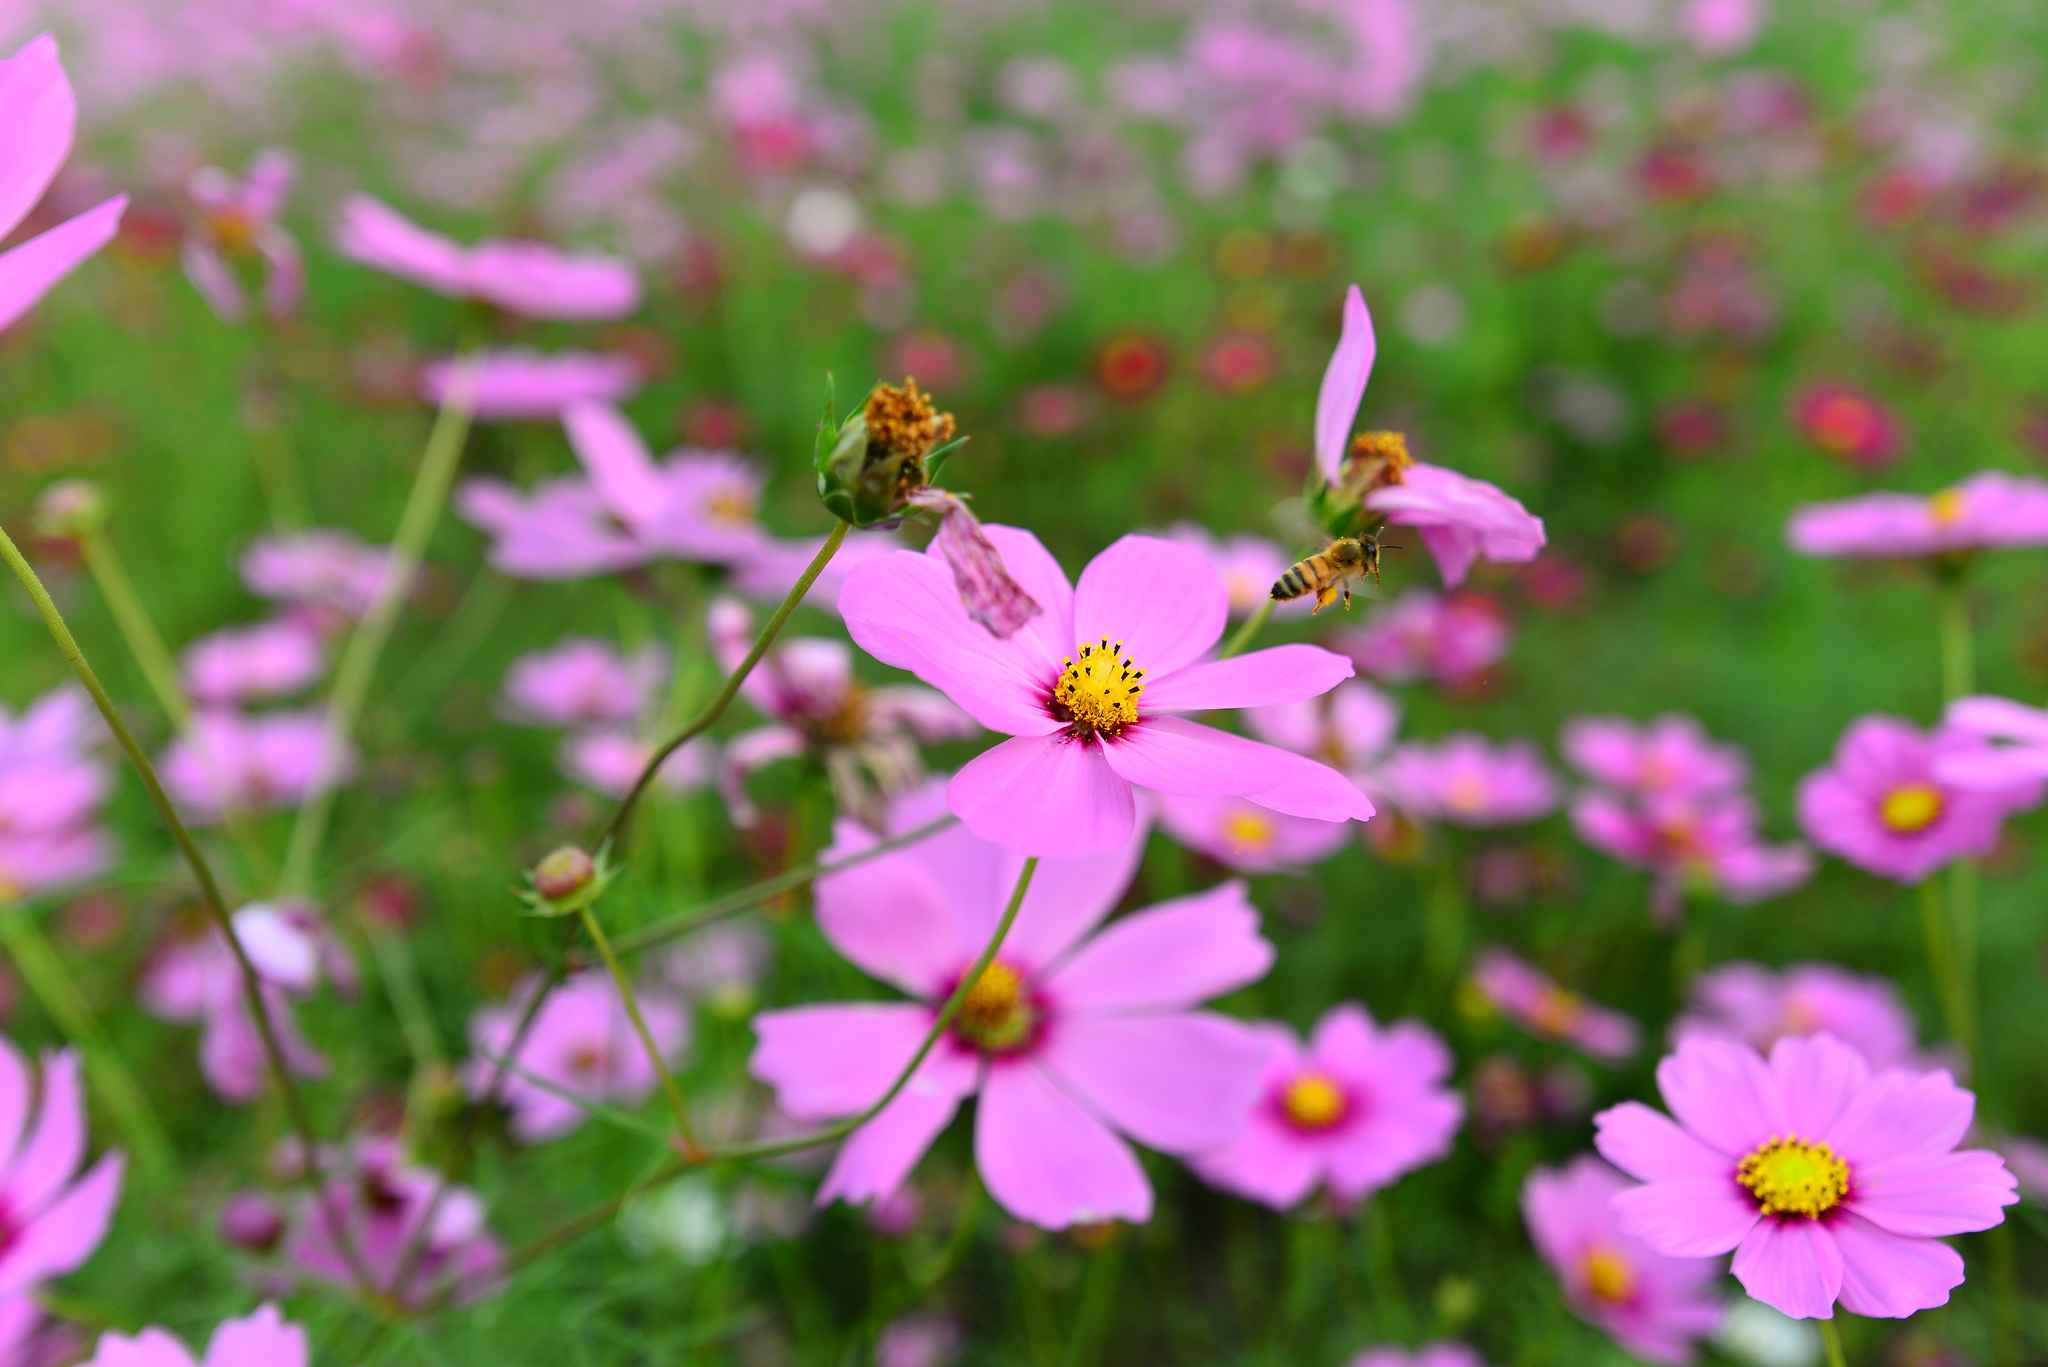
(1534,1001)
(1072,1036)
(1352,1111)
(1828,1182)
(559,530)
(264,1339)
(919,1341)
(581,1043)
(1655,1307)
(325,572)
(1247,838)
(237,219)
(1447,638)
(1438,1354)
(1249,566)
(1721,28)
(51,789)
(1759,1006)
(1088,690)
(581,681)
(2023,757)
(1881,806)
(38,114)
(53,1222)
(1702,844)
(696,505)
(1467,780)
(720,966)
(265,762)
(529,278)
(517,384)
(1669,756)
(272,659)
(1987,511)
(610,760)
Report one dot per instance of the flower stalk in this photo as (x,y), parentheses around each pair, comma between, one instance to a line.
(678,1108)
(1249,631)
(1831,1339)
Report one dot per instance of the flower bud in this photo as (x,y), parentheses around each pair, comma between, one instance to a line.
(1375,461)
(71,508)
(563,874)
(251,1222)
(876,459)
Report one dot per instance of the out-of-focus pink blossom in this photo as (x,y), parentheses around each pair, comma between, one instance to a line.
(1534,1001)
(610,760)
(251,1221)
(1351,1111)
(770,573)
(1441,1353)
(51,788)
(1721,28)
(581,1042)
(1882,806)
(37,116)
(1467,780)
(1848,423)
(1460,519)
(54,1218)
(261,762)
(1247,838)
(1702,844)
(1447,638)
(720,966)
(272,659)
(1671,756)
(518,384)
(1989,510)
(1249,566)
(1760,1006)
(237,219)
(1350,728)
(696,505)
(920,1341)
(2028,1159)
(264,1339)
(581,681)
(2021,758)
(529,278)
(561,529)
(326,572)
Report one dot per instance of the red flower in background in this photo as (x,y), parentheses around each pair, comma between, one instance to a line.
(1237,361)
(1848,423)
(1133,366)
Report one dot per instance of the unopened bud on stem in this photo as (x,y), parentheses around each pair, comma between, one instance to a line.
(870,464)
(71,508)
(563,874)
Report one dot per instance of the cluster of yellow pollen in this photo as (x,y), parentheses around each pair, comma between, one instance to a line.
(1948,507)
(905,422)
(1609,1277)
(1248,832)
(1377,460)
(1911,808)
(1791,1176)
(997,1014)
(1313,1102)
(1466,793)
(1099,692)
(734,507)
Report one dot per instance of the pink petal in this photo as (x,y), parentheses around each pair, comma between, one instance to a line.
(1264,678)
(1068,898)
(1269,1163)
(39,113)
(894,919)
(903,609)
(876,1159)
(31,270)
(54,1149)
(260,1340)
(1044,795)
(150,1348)
(1722,1093)
(1792,1265)
(1818,1076)
(1163,600)
(1343,388)
(617,461)
(1175,755)
(1646,1144)
(1454,549)
(62,1237)
(1048,1161)
(1049,637)
(380,237)
(15,1090)
(1887,1276)
(1902,1113)
(1176,1082)
(1690,1217)
(1985,715)
(1168,956)
(1930,1195)
(830,1061)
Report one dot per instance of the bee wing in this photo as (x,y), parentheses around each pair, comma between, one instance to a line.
(1296,528)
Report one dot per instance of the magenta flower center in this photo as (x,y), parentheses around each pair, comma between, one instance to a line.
(1792,1176)
(1609,1277)
(1312,1101)
(1911,808)
(1097,695)
(998,1016)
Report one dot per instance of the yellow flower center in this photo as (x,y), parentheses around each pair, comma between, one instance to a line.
(1098,693)
(734,507)
(1911,808)
(232,230)
(1608,1276)
(1313,1102)
(1948,507)
(1248,832)
(1790,1176)
(1466,793)
(1557,1010)
(997,1015)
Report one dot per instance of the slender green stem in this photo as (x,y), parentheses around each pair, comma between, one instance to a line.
(366,643)
(1247,633)
(1831,1338)
(47,977)
(277,471)
(716,707)
(673,1094)
(1958,669)
(209,890)
(1444,924)
(1943,967)
(732,903)
(415,1021)
(574,1228)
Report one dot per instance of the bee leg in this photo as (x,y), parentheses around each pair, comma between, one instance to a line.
(1324,597)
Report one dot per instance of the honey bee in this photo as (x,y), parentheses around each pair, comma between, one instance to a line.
(1329,574)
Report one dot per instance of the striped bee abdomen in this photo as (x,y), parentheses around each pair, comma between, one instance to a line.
(1292,584)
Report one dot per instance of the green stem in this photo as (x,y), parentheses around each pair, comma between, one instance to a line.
(1444,927)
(1958,670)
(415,1021)
(1249,631)
(1831,1338)
(716,707)
(277,471)
(366,643)
(47,977)
(1942,965)
(672,1093)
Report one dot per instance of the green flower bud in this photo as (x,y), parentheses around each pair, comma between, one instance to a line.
(71,508)
(869,465)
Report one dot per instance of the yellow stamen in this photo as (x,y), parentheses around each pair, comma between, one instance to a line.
(996,1016)
(1248,832)
(905,422)
(731,506)
(1911,808)
(1792,1176)
(1608,1276)
(1948,507)
(1313,1102)
(1466,793)
(1557,1011)
(1099,692)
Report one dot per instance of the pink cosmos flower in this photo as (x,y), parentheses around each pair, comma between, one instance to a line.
(1987,511)
(1721,28)
(386,1202)
(720,966)
(1425,635)
(1089,689)
(268,761)
(1534,1001)
(1758,1007)
(237,219)
(1249,566)
(38,114)
(561,529)
(255,663)
(1881,806)
(1706,845)
(50,1222)
(1828,1182)
(1247,838)
(2021,759)
(581,1043)
(326,572)
(769,574)
(529,278)
(2028,1159)
(518,384)
(609,760)
(1671,755)
(1849,424)
(919,1341)
(1343,387)
(263,1339)
(581,681)
(1351,1112)
(1438,1354)
(1653,1306)
(51,790)
(866,738)
(1071,1036)
(1351,727)
(1467,780)
(696,505)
